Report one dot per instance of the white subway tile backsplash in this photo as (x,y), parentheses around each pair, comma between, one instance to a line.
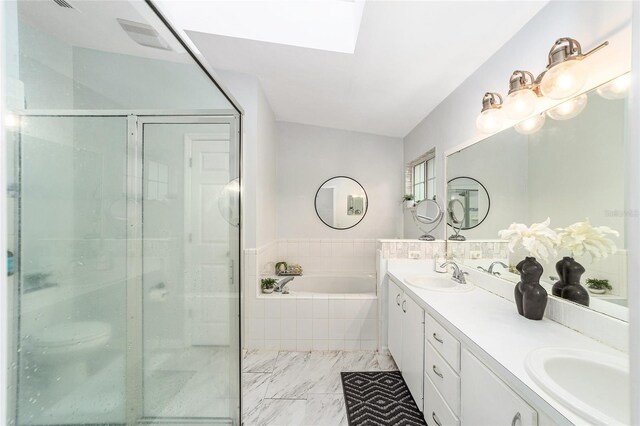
(288,345)
(273,345)
(368,345)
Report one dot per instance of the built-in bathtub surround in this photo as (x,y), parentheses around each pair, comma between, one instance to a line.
(333,305)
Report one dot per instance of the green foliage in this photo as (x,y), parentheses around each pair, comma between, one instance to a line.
(408,197)
(597,284)
(267,283)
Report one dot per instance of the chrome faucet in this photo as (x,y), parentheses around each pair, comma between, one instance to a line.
(458,275)
(281,285)
(490,270)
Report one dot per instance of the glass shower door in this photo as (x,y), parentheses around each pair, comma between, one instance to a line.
(190,249)
(71,269)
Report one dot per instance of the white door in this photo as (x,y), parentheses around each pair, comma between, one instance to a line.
(394,325)
(487,401)
(206,248)
(413,348)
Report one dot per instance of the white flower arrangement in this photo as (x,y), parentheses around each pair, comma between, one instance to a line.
(582,237)
(538,239)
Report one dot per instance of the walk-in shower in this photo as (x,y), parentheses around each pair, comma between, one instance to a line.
(123,160)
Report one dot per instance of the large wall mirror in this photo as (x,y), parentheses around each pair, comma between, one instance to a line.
(341,202)
(571,170)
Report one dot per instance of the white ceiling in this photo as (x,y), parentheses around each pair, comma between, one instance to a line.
(409,56)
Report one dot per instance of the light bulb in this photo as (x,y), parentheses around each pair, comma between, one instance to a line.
(490,120)
(563,80)
(530,125)
(11,121)
(569,109)
(520,104)
(617,88)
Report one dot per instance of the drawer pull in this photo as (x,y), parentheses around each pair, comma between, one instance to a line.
(439,374)
(403,303)
(439,340)
(516,418)
(435,418)
(398,297)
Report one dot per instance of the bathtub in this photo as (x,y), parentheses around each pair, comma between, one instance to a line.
(333,285)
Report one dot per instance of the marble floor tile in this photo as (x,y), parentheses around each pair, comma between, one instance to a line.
(325,410)
(292,376)
(386,363)
(277,412)
(259,361)
(254,388)
(331,381)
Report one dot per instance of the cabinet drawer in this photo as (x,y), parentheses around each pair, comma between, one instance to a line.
(443,342)
(436,410)
(443,377)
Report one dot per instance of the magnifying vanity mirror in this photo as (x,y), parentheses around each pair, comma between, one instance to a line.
(341,202)
(427,215)
(572,171)
(456,213)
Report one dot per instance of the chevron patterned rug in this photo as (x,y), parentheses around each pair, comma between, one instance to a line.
(379,398)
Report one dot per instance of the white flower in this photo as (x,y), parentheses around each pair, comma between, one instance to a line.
(538,239)
(581,238)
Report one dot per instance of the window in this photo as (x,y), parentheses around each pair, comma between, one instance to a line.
(421,177)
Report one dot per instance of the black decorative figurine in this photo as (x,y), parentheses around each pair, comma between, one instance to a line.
(531,297)
(569,286)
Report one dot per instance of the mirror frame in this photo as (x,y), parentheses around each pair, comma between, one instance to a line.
(488,199)
(366,208)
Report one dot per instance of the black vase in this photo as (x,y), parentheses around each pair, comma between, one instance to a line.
(569,286)
(530,296)
(561,267)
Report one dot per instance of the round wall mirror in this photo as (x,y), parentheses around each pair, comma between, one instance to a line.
(427,215)
(474,202)
(341,202)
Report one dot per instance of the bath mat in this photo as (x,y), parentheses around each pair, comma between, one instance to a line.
(379,398)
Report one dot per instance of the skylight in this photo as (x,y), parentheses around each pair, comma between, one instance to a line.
(331,25)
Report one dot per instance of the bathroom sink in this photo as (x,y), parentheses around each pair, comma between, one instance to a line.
(445,284)
(595,386)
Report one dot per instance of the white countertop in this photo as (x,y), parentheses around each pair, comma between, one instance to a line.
(492,329)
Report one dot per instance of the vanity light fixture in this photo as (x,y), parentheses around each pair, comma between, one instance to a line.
(617,88)
(565,74)
(521,100)
(490,118)
(531,124)
(569,109)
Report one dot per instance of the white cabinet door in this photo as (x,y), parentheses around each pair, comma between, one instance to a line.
(394,326)
(487,401)
(413,348)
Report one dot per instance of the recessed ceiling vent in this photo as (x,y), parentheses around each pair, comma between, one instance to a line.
(142,34)
(63,3)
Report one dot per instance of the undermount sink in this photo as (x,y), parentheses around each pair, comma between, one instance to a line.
(445,284)
(594,386)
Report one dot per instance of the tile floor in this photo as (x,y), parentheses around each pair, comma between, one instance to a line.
(301,388)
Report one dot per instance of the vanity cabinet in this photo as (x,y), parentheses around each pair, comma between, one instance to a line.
(413,347)
(406,339)
(394,330)
(488,401)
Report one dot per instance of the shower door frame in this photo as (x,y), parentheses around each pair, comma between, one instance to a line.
(133,353)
